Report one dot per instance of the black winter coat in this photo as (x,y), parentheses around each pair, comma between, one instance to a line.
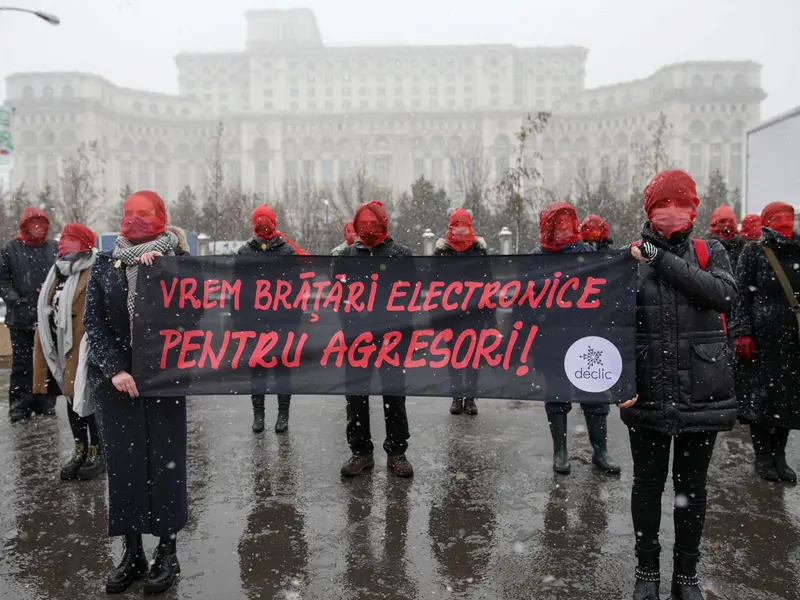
(733,246)
(684,374)
(23,270)
(604,246)
(762,312)
(256,247)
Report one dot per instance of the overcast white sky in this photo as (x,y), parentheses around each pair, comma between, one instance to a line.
(132,42)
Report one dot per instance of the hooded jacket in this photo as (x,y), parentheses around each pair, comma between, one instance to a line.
(684,376)
(23,270)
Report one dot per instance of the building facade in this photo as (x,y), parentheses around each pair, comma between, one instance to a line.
(292,108)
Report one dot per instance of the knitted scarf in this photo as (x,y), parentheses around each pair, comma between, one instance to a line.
(55,351)
(128,255)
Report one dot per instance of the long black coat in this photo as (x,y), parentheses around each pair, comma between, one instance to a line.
(733,247)
(23,270)
(684,374)
(144,438)
(762,312)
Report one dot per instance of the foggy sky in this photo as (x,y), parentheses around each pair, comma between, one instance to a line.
(132,42)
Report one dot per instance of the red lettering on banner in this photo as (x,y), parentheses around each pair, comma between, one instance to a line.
(366,351)
(446,304)
(591,289)
(242,337)
(512,340)
(354,292)
(391,340)
(396,293)
(472,287)
(282,291)
(530,298)
(172,338)
(434,291)
(263,299)
(285,356)
(266,342)
(443,337)
(336,345)
(334,296)
(573,283)
(472,337)
(168,295)
(553,289)
(232,290)
(486,297)
(412,305)
(485,349)
(188,346)
(188,290)
(523,368)
(210,288)
(208,353)
(373,292)
(416,345)
(509,294)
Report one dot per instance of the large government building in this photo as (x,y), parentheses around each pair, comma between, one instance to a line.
(292,108)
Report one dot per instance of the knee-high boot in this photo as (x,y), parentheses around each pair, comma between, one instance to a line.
(282,422)
(762,447)
(258,412)
(780,437)
(598,436)
(558,429)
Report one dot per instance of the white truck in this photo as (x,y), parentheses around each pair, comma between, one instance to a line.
(772,163)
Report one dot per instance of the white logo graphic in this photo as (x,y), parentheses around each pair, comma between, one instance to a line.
(593,364)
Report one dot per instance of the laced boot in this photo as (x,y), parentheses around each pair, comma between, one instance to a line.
(457,406)
(470,408)
(598,436)
(165,568)
(648,576)
(400,466)
(282,422)
(685,585)
(132,566)
(93,466)
(357,464)
(558,429)
(258,413)
(70,470)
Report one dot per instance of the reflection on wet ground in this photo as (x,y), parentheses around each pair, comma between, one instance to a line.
(484,517)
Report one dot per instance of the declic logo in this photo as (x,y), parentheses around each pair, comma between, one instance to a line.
(593,364)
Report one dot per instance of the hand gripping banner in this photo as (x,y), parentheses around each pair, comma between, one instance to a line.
(557,327)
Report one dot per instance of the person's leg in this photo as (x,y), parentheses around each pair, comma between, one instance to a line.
(20,400)
(762,448)
(471,389)
(397,434)
(282,422)
(597,425)
(80,436)
(557,419)
(780,437)
(690,464)
(257,400)
(650,452)
(457,406)
(359,436)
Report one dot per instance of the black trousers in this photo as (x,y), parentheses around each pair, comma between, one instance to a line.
(84,429)
(692,456)
(21,384)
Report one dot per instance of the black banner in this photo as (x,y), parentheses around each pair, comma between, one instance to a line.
(545,327)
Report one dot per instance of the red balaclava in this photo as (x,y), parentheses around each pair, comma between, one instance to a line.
(76,239)
(670,201)
(371,224)
(780,217)
(460,233)
(34,227)
(350,233)
(594,229)
(559,226)
(751,228)
(265,227)
(145,217)
(723,222)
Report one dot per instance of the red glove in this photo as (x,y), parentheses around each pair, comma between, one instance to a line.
(745,347)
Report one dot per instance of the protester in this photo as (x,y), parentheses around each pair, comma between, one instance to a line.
(144,438)
(751,228)
(725,230)
(56,352)
(24,264)
(267,241)
(372,227)
(765,325)
(560,233)
(349,239)
(183,240)
(596,232)
(462,241)
(684,379)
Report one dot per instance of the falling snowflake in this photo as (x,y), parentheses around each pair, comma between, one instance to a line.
(592,357)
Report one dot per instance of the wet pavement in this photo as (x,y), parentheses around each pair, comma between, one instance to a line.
(484,517)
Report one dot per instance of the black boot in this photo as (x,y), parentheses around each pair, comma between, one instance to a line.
(20,408)
(558,429)
(258,413)
(132,566)
(598,436)
(648,574)
(165,567)
(70,470)
(780,437)
(685,585)
(762,447)
(44,405)
(282,422)
(93,466)
(470,408)
(457,407)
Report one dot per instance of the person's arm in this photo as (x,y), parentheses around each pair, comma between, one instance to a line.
(8,292)
(746,271)
(714,287)
(106,351)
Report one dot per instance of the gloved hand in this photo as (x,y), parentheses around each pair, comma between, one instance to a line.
(745,347)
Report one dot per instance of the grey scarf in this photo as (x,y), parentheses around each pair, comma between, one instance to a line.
(55,351)
(129,255)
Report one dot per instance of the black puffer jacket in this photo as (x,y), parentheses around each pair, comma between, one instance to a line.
(479,248)
(733,246)
(604,246)
(684,376)
(762,312)
(23,270)
(388,248)
(276,246)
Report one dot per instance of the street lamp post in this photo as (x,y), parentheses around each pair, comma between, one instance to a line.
(327,204)
(45,16)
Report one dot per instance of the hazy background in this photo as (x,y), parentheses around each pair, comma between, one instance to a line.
(132,42)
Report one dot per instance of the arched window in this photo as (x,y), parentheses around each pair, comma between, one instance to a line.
(697,128)
(27,92)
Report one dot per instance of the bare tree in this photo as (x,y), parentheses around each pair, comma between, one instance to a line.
(81,191)
(511,186)
(213,212)
(653,156)
(469,172)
